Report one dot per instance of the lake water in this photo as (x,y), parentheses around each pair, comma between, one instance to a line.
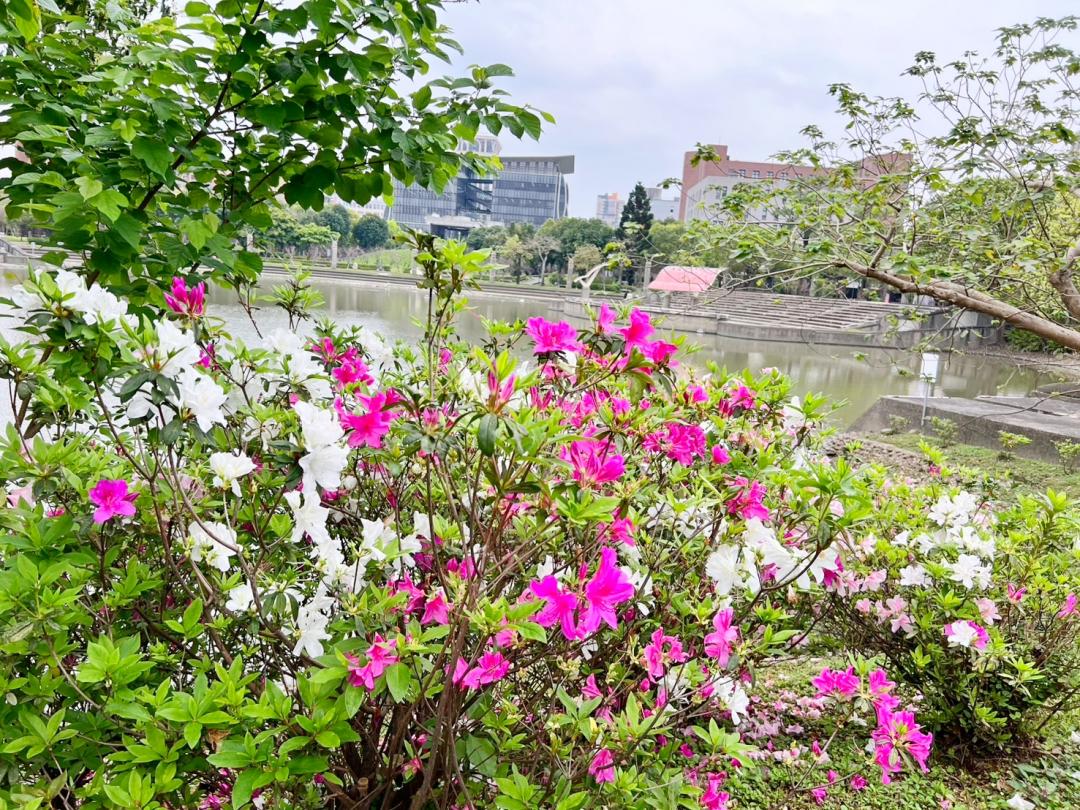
(859,378)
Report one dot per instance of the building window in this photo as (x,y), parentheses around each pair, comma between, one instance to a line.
(782,175)
(768,174)
(756,173)
(742,172)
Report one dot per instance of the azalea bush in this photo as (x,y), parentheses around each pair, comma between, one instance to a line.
(971,601)
(321,570)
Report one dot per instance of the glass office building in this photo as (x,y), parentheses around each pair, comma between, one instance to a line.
(527,189)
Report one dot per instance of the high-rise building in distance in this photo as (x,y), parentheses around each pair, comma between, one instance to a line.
(526,189)
(609,208)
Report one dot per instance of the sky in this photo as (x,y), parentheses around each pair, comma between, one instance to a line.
(633,84)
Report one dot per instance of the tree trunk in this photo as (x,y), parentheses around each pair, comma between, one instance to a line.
(960,296)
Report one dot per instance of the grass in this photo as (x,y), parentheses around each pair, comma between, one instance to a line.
(1027,474)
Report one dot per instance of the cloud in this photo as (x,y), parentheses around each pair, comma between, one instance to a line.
(635,83)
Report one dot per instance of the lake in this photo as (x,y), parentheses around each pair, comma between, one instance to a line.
(859,378)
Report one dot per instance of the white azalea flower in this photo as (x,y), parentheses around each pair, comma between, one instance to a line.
(215,544)
(970,572)
(176,350)
(319,426)
(1018,802)
(309,517)
(204,398)
(323,466)
(311,622)
(961,634)
(914,576)
(241,598)
(723,568)
(228,468)
(734,697)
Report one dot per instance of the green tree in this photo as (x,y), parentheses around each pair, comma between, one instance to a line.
(634,225)
(337,219)
(371,232)
(516,252)
(572,232)
(542,247)
(981,214)
(667,242)
(491,236)
(152,160)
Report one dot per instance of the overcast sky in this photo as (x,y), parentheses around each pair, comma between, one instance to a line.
(635,83)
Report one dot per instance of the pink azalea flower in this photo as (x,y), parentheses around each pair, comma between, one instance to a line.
(858,782)
(436,611)
(637,333)
(25,494)
(659,351)
(112,498)
(492,666)
(369,427)
(988,610)
(608,588)
(605,319)
(593,462)
(552,337)
(661,650)
(684,443)
(718,643)
(898,733)
(820,794)
(187,301)
(1016,595)
(880,683)
(713,798)
(834,682)
(720,455)
(590,690)
(1069,608)
(620,530)
(380,655)
(747,501)
(602,768)
(560,608)
(352,371)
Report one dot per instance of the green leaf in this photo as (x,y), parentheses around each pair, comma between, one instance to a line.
(153,153)
(192,734)
(398,681)
(487,432)
(89,187)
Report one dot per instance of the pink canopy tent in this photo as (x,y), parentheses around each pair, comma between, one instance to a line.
(684,279)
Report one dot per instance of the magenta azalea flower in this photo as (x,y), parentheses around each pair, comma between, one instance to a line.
(713,798)
(353,370)
(662,650)
(839,684)
(594,462)
(369,427)
(602,768)
(1069,608)
(605,319)
(552,337)
(747,501)
(898,733)
(637,333)
(436,611)
(718,643)
(186,300)
(560,608)
(380,655)
(111,497)
(492,667)
(608,588)
(685,443)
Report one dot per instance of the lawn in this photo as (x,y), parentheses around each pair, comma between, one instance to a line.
(1028,475)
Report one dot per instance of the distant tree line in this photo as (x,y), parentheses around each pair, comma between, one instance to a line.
(295,232)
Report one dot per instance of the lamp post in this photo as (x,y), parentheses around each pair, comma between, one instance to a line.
(928,373)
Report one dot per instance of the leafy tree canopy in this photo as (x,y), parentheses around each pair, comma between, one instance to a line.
(371,232)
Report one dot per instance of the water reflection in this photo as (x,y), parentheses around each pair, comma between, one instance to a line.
(840,372)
